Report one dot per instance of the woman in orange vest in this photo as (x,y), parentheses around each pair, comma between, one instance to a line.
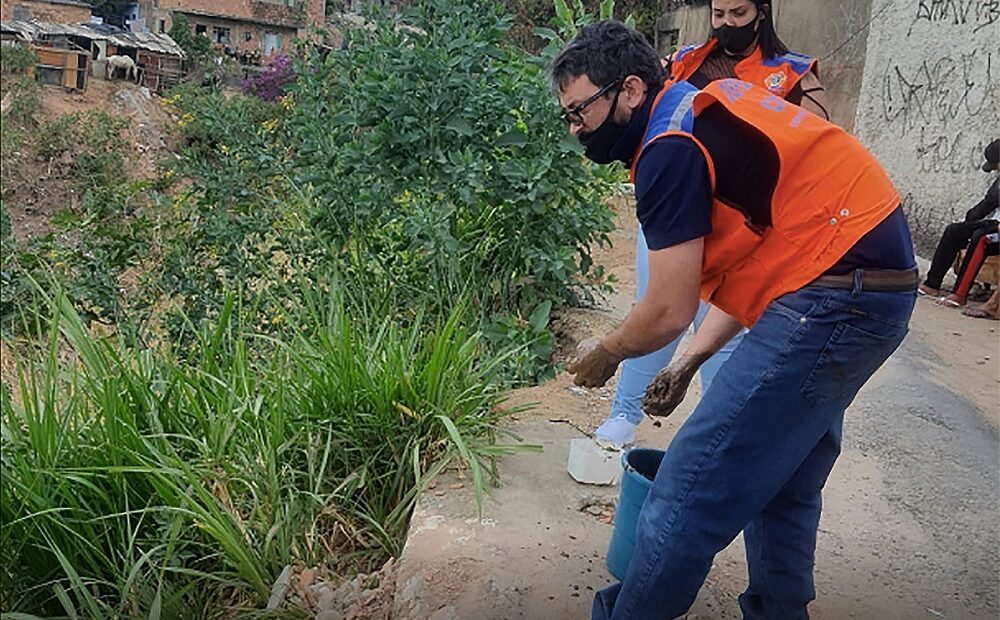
(743,45)
(788,227)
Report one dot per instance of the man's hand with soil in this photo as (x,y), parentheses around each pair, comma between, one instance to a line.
(662,315)
(593,364)
(667,390)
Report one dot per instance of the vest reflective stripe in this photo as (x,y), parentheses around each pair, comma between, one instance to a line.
(830,192)
(683,117)
(778,75)
(684,51)
(676,104)
(675,117)
(800,63)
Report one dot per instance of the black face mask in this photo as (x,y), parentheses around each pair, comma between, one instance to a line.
(735,39)
(598,143)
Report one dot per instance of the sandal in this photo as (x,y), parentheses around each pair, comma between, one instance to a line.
(948,302)
(979,313)
(926,291)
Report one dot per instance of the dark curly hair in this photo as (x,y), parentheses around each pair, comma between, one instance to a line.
(607,51)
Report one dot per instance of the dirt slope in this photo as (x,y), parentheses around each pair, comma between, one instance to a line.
(39,191)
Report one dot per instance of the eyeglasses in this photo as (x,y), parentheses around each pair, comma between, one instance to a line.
(574,115)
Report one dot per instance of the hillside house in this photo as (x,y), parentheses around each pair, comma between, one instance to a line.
(58,11)
(249,30)
(69,53)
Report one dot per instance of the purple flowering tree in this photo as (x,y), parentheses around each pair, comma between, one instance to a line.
(270,83)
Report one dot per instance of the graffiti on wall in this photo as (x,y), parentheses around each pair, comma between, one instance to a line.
(977,14)
(955,153)
(949,90)
(941,105)
(932,103)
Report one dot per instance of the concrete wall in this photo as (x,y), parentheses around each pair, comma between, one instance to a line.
(690,25)
(930,102)
(836,33)
(39,10)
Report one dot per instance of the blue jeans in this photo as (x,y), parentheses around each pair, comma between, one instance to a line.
(636,373)
(755,454)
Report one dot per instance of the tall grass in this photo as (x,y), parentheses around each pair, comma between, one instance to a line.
(143,483)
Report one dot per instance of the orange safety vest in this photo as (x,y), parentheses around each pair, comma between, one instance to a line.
(830,192)
(778,75)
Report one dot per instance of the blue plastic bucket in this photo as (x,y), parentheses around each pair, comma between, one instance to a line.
(640,466)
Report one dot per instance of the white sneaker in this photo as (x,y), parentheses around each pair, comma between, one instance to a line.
(615,433)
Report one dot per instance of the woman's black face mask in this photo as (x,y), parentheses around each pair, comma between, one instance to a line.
(735,39)
(599,143)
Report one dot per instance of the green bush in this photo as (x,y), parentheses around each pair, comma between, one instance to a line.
(16,59)
(91,240)
(24,97)
(443,142)
(198,48)
(138,484)
(430,156)
(530,15)
(88,149)
(335,299)
(530,360)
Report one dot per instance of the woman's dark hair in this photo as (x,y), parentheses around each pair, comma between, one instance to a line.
(607,51)
(771,46)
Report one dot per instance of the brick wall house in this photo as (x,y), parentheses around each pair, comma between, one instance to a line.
(251,30)
(57,11)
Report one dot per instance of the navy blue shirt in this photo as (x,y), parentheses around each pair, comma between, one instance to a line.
(674,194)
(672,189)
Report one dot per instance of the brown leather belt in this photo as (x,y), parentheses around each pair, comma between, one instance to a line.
(878,280)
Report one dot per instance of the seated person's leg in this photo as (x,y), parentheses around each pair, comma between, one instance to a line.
(989,310)
(954,238)
(980,248)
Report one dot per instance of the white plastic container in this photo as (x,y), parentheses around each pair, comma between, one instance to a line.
(589,463)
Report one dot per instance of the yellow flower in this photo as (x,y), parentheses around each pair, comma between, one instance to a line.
(287,101)
(185,120)
(403,198)
(276,319)
(404,409)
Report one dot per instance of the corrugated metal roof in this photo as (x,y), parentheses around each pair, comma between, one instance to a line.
(70,3)
(290,23)
(152,41)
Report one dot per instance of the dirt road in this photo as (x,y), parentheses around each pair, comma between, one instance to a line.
(911,523)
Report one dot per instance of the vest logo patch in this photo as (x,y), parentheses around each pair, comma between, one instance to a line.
(775,81)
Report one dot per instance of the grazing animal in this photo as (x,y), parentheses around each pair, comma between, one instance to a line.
(121,62)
